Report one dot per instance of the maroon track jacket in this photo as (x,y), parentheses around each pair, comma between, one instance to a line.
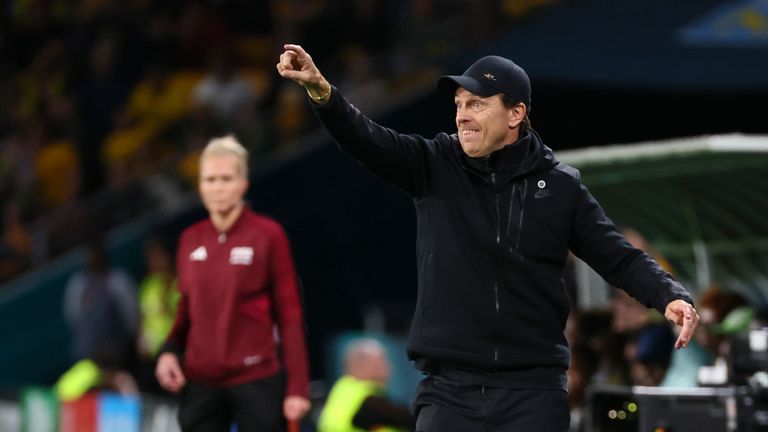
(239,301)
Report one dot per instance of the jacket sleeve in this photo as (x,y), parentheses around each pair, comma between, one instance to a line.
(176,341)
(596,240)
(288,313)
(398,158)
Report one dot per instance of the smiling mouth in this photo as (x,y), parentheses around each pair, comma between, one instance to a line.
(469,132)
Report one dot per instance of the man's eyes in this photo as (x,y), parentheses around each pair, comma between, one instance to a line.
(475,106)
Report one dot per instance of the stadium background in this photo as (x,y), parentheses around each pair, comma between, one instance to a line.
(602,72)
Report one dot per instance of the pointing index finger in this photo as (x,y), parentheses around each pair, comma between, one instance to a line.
(689,323)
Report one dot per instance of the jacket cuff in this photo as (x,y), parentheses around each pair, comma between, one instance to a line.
(170,347)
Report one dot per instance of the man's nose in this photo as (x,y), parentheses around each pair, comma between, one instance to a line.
(462,115)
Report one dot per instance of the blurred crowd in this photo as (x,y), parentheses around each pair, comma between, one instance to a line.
(118,326)
(627,344)
(104,105)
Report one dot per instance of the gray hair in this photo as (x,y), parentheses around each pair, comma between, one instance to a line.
(362,349)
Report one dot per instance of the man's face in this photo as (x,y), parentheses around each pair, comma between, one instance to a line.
(222,183)
(379,369)
(483,123)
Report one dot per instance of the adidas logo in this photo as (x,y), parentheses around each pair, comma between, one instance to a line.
(199,254)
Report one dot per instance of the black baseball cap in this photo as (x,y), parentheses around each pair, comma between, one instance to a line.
(488,76)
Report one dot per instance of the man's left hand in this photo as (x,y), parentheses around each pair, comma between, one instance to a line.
(681,313)
(294,407)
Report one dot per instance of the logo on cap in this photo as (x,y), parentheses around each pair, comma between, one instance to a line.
(490,77)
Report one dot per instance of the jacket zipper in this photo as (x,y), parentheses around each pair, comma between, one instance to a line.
(498,317)
(511,206)
(517,196)
(496,285)
(521,192)
(498,222)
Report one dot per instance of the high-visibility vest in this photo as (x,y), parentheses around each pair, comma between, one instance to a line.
(344,400)
(77,380)
(158,301)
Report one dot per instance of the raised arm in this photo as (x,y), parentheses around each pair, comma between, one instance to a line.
(296,64)
(401,159)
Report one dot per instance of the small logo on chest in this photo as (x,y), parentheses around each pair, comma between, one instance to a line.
(543,191)
(252,360)
(199,254)
(241,255)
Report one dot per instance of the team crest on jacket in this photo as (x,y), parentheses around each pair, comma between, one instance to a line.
(199,254)
(241,255)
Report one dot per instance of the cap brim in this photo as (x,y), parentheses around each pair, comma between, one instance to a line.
(448,84)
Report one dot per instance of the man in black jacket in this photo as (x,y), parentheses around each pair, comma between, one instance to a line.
(497,214)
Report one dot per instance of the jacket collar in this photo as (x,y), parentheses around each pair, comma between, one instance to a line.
(525,156)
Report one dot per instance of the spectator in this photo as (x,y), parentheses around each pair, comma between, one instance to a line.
(357,400)
(103,372)
(649,353)
(222,93)
(101,309)
(155,104)
(158,298)
(716,303)
(225,100)
(642,328)
(650,364)
(72,65)
(705,347)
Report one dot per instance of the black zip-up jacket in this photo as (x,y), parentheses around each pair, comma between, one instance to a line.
(493,238)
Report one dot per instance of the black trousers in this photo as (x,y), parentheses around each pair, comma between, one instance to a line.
(446,405)
(256,406)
